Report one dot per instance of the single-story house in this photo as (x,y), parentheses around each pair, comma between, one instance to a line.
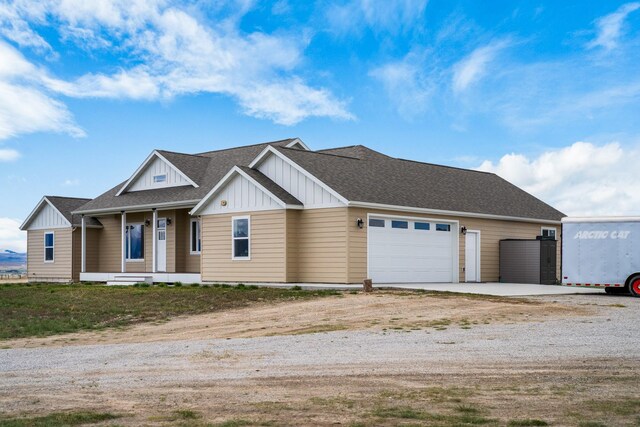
(281,212)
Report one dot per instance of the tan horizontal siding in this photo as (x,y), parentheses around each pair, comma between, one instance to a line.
(491,232)
(93,254)
(109,244)
(322,246)
(61,268)
(267,248)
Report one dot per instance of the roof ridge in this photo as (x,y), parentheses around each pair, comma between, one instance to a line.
(244,146)
(442,166)
(339,148)
(318,152)
(69,197)
(176,152)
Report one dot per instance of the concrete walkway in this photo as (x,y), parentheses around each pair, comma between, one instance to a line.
(498,289)
(495,289)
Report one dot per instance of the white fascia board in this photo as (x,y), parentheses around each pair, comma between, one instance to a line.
(223,183)
(450,213)
(298,141)
(145,163)
(37,209)
(270,150)
(596,219)
(139,208)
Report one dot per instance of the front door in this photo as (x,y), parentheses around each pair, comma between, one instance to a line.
(161,245)
(472,256)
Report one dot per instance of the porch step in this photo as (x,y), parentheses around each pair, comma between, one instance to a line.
(130,280)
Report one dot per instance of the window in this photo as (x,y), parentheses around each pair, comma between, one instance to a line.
(399,224)
(376,222)
(443,227)
(549,232)
(134,242)
(160,178)
(241,237)
(48,247)
(195,236)
(422,226)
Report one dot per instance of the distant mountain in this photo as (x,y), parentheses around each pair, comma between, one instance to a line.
(12,258)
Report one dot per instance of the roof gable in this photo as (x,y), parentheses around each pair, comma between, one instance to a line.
(244,189)
(157,165)
(301,183)
(55,212)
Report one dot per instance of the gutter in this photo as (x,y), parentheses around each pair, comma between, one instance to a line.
(451,213)
(139,208)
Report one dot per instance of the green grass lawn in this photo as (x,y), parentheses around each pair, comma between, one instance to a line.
(28,310)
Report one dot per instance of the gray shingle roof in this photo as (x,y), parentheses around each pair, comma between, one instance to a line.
(66,205)
(357,173)
(206,169)
(361,174)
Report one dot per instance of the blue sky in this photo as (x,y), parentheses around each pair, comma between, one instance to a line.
(544,93)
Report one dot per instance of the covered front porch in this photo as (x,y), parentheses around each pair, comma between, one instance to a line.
(151,245)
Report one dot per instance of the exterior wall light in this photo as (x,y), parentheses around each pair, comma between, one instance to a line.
(360,223)
(463,230)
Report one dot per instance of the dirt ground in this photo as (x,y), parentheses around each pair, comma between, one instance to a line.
(386,359)
(385,310)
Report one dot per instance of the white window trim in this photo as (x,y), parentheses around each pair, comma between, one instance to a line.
(198,232)
(162,181)
(44,255)
(555,231)
(233,239)
(128,242)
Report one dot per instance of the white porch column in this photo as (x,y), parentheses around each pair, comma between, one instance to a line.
(153,239)
(83,235)
(123,264)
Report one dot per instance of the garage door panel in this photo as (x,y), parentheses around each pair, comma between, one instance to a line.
(410,255)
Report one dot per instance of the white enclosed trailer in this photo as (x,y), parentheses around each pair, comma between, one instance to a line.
(602,252)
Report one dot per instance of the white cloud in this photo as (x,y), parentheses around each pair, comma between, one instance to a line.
(8,155)
(609,27)
(11,237)
(71,182)
(25,106)
(392,16)
(473,67)
(176,51)
(407,83)
(581,179)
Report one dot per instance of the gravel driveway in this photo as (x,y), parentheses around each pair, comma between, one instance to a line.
(610,334)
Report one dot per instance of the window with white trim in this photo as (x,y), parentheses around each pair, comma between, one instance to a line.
(49,244)
(160,178)
(134,242)
(548,232)
(195,242)
(241,235)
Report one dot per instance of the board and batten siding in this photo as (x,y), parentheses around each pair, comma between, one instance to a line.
(157,166)
(491,232)
(48,218)
(267,248)
(60,270)
(240,195)
(297,184)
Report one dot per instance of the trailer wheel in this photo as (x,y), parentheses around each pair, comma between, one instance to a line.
(634,286)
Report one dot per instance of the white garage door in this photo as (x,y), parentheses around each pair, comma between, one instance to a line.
(410,251)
